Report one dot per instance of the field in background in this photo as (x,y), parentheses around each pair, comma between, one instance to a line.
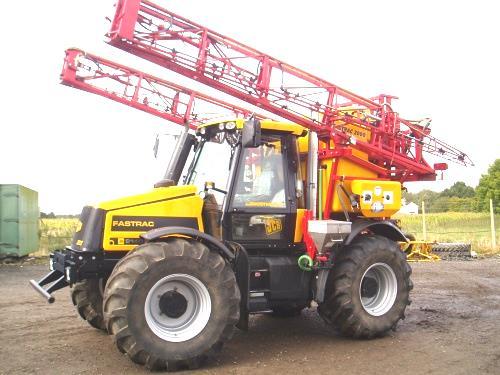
(441,227)
(55,234)
(473,227)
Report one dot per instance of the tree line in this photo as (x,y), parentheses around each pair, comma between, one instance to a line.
(51,215)
(461,197)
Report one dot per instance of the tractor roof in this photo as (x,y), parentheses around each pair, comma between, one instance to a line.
(266,124)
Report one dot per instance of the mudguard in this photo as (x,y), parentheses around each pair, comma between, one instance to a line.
(204,238)
(383,228)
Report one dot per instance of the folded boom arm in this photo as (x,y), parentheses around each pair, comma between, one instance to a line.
(142,91)
(394,144)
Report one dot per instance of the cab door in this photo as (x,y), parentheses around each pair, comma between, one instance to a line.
(263,197)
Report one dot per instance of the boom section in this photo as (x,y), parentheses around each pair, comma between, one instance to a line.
(139,90)
(392,143)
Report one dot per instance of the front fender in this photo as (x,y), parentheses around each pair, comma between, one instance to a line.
(383,228)
(195,234)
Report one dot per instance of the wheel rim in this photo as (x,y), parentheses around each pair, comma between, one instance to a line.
(177,307)
(378,289)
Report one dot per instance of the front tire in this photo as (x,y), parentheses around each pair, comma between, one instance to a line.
(87,298)
(171,305)
(368,288)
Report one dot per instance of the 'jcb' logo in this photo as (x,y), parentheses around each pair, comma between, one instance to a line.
(133,224)
(273,226)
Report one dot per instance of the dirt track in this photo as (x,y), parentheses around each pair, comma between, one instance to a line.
(452,327)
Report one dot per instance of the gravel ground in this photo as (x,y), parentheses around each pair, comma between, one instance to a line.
(452,327)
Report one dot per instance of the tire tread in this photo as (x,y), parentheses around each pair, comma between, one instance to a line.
(86,298)
(338,309)
(115,300)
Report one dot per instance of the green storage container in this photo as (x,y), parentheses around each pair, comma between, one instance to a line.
(19,216)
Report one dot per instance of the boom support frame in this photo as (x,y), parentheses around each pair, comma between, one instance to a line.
(156,96)
(395,145)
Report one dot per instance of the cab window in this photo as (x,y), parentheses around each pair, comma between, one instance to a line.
(260,181)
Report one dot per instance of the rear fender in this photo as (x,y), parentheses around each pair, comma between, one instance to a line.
(383,228)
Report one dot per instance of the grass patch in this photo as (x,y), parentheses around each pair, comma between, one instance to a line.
(469,227)
(55,234)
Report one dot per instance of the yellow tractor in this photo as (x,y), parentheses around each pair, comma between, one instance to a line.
(253,215)
(230,232)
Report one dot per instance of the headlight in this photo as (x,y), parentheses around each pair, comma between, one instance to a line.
(203,131)
(221,126)
(230,125)
(377,207)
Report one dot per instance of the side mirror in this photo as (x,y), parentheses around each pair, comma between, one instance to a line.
(250,136)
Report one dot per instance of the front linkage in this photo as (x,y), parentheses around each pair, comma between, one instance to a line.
(70,266)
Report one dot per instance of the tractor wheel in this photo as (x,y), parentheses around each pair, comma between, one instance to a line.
(87,297)
(287,311)
(171,305)
(368,288)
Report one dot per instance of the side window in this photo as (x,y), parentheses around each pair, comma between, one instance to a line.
(260,182)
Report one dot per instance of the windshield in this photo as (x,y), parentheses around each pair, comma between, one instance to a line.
(210,163)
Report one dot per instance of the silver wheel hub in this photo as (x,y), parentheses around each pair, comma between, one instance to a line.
(378,289)
(177,307)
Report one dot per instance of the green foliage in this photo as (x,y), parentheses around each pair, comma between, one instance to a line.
(462,198)
(459,190)
(428,196)
(50,215)
(451,204)
(489,188)
(457,198)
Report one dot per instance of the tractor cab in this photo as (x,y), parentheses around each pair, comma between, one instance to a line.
(249,174)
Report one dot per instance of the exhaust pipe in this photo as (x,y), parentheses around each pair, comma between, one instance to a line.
(179,155)
(312,174)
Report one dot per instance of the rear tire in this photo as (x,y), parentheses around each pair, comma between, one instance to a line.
(87,297)
(171,305)
(368,288)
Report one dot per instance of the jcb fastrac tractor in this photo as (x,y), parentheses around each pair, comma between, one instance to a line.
(253,215)
(171,272)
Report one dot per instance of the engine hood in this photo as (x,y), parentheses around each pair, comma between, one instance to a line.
(155,195)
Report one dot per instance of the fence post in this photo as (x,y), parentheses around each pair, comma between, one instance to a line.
(424,228)
(492,221)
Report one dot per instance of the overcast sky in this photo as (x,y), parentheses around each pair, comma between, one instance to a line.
(440,57)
